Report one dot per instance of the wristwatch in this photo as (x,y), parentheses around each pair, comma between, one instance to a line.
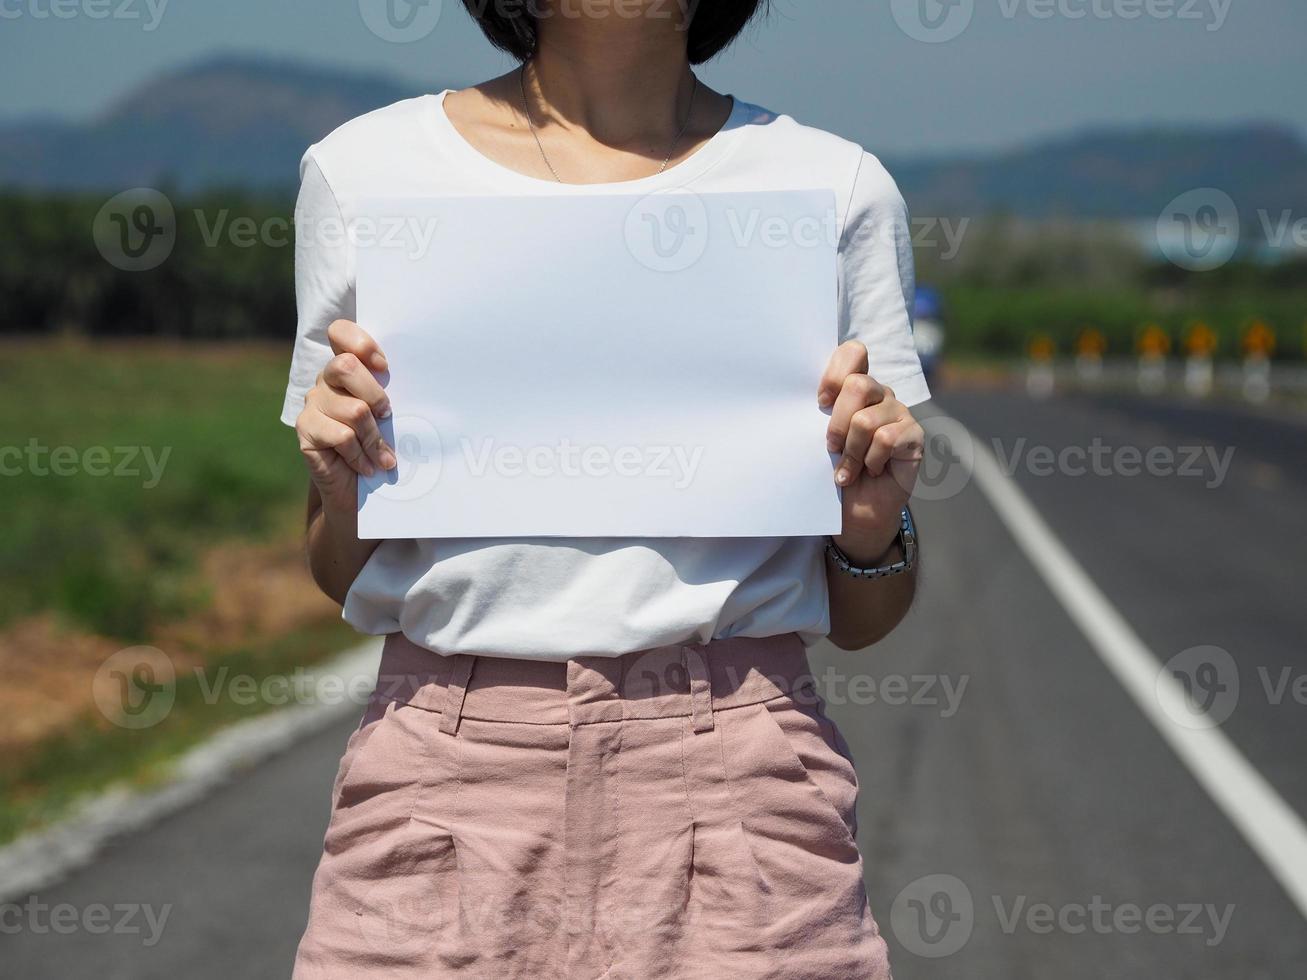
(907,540)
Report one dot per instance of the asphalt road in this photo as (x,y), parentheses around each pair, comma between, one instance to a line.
(1020,815)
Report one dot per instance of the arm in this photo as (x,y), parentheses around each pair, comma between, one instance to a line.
(865,611)
(339,438)
(333,398)
(336,555)
(880,441)
(881,447)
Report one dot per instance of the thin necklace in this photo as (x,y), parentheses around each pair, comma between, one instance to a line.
(526,111)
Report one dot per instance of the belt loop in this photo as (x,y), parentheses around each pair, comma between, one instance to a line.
(696,665)
(460,672)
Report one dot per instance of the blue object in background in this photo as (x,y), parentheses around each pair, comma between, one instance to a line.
(928,330)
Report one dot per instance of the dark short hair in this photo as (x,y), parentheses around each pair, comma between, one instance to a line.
(511,24)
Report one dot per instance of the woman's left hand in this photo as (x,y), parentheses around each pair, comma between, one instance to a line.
(881,447)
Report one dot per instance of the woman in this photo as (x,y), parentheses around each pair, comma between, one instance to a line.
(601,758)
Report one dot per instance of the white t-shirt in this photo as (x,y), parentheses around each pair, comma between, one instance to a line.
(551,598)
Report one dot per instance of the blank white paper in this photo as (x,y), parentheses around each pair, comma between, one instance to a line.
(602,365)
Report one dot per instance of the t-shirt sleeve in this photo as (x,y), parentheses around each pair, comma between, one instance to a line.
(324,282)
(877,282)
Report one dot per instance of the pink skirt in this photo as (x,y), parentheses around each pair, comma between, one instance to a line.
(682,812)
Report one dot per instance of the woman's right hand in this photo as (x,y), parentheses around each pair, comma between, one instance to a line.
(338,430)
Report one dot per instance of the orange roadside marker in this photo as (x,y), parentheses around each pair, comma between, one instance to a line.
(1259,340)
(1153,341)
(1201,341)
(1091,343)
(1041,348)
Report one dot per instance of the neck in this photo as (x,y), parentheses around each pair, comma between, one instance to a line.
(621,79)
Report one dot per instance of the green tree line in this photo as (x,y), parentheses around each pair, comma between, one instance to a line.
(1006,283)
(229,273)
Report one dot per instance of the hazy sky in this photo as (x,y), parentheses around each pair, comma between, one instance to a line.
(1016,69)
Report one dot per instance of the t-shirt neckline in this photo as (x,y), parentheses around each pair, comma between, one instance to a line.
(681,174)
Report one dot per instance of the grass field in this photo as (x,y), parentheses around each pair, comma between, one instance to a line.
(193,436)
(151,496)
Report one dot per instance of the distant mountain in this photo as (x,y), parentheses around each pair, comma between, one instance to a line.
(1113,174)
(236,121)
(229,121)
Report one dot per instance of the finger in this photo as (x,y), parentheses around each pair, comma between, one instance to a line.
(864,428)
(347,337)
(849,358)
(358,416)
(902,439)
(858,392)
(317,431)
(346,373)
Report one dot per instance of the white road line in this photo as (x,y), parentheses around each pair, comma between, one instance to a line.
(1270,826)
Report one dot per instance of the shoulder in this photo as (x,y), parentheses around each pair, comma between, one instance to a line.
(784,132)
(371,142)
(861,182)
